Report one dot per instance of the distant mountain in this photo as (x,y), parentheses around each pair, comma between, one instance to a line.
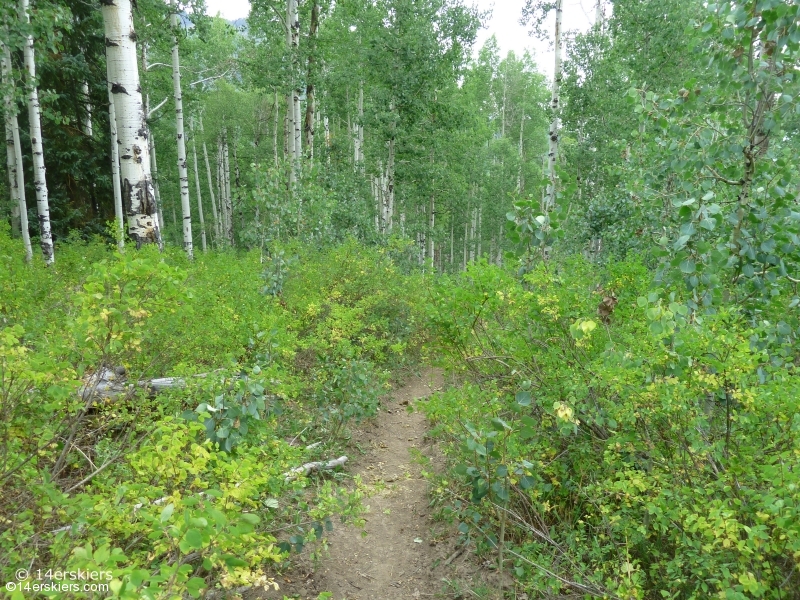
(240,24)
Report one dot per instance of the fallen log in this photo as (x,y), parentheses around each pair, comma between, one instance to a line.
(320,465)
(111,383)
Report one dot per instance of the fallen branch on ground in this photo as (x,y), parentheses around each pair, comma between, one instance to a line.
(320,465)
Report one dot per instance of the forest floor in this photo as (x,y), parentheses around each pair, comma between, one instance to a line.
(404,552)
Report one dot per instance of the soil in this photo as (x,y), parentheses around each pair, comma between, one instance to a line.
(403,552)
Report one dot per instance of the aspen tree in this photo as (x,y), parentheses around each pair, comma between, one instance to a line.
(16,176)
(211,185)
(37,149)
(138,196)
(183,172)
(310,90)
(552,155)
(118,214)
(199,195)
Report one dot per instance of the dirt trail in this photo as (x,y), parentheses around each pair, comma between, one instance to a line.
(402,555)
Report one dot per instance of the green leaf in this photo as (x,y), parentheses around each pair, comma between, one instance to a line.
(232,561)
(194,539)
(167,511)
(194,586)
(523,398)
(251,518)
(499,424)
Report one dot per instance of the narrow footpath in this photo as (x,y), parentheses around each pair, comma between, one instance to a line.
(404,553)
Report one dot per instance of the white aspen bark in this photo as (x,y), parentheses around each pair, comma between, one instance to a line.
(290,150)
(87,117)
(598,15)
(34,118)
(228,200)
(154,177)
(183,171)
(118,214)
(211,190)
(275,131)
(16,176)
(520,183)
(221,192)
(361,125)
(390,186)
(431,225)
(353,131)
(298,130)
(503,115)
(479,233)
(310,89)
(138,194)
(294,46)
(473,226)
(431,214)
(237,197)
(376,204)
(452,239)
(552,155)
(197,185)
(466,237)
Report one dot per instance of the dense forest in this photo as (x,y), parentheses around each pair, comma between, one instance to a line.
(223,244)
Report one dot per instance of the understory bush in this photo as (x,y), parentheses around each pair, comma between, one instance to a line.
(182,484)
(608,442)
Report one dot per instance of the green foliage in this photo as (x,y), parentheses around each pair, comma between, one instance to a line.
(648,456)
(176,493)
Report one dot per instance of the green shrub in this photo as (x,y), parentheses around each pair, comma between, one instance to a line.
(626,460)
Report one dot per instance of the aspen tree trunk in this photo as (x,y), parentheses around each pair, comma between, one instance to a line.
(310,98)
(466,236)
(389,201)
(236,181)
(520,183)
(183,171)
(211,190)
(152,139)
(472,228)
(14,152)
(598,15)
(294,45)
(361,125)
(479,233)
(138,196)
(221,193)
(228,201)
(154,177)
(552,155)
(11,167)
(34,118)
(452,239)
(288,144)
(118,214)
(378,204)
(326,125)
(87,116)
(199,195)
(503,115)
(275,131)
(352,130)
(431,214)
